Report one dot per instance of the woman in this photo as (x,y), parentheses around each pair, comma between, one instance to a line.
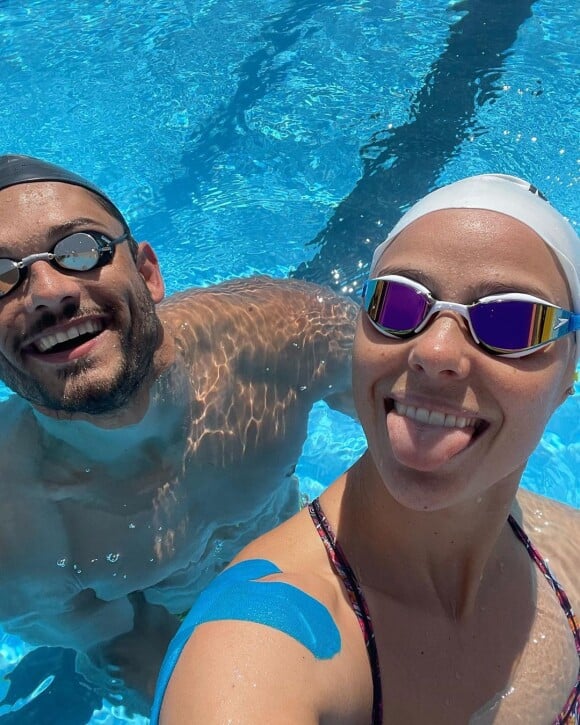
(422,543)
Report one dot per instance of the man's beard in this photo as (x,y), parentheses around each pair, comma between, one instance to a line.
(105,395)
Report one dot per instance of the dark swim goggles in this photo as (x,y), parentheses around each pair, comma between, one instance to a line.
(512,324)
(78,252)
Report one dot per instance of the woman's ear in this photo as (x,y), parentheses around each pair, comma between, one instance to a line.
(571,389)
(148,267)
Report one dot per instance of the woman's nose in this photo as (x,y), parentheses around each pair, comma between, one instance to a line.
(443,348)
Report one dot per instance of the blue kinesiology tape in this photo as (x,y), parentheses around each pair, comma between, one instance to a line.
(237,595)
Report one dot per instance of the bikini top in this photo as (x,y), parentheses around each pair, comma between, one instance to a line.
(570,713)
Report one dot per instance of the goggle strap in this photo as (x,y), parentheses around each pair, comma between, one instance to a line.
(559,329)
(574,324)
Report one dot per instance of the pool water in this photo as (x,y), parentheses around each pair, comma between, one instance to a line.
(286,137)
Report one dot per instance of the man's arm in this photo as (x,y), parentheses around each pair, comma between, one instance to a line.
(134,657)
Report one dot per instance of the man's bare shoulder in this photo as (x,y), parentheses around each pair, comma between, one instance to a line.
(264,313)
(289,294)
(554,529)
(280,332)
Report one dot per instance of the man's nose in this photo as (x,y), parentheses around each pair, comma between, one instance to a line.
(48,289)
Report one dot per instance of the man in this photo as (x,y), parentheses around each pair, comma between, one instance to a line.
(149,439)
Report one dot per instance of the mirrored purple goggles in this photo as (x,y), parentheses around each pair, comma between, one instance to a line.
(512,324)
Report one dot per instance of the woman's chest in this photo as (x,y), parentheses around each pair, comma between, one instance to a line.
(514,663)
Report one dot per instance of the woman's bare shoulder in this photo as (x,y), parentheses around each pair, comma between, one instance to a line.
(283,620)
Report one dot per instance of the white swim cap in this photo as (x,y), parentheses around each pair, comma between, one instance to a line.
(515,198)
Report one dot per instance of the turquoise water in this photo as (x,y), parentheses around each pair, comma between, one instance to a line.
(270,137)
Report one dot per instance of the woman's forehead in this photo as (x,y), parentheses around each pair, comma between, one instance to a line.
(464,244)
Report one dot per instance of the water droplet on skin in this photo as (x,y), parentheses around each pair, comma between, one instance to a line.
(131,526)
(113,557)
(61,562)
(302,388)
(87,470)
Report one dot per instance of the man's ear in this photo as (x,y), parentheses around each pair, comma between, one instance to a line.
(148,267)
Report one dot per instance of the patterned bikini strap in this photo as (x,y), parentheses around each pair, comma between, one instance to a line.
(343,569)
(570,714)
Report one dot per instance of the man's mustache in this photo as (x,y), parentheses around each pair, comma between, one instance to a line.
(70,312)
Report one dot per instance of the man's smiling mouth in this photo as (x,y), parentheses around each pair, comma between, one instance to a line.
(68,339)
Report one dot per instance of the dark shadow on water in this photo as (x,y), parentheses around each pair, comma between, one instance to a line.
(258,74)
(402,164)
(399,165)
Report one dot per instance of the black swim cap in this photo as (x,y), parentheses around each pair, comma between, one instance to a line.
(15,169)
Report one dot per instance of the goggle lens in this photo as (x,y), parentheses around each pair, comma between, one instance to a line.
(505,325)
(79,252)
(397,307)
(9,276)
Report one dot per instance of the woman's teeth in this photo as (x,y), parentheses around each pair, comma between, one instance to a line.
(434,417)
(47,342)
